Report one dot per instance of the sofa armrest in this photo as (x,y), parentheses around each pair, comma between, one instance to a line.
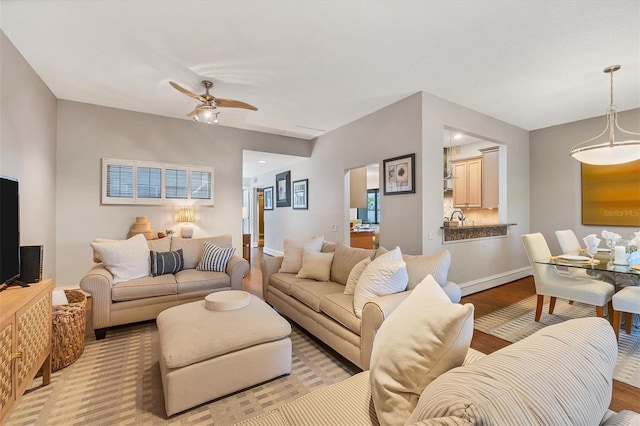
(98,283)
(268,267)
(374,313)
(453,291)
(237,267)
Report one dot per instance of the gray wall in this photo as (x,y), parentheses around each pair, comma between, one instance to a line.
(28,149)
(555,177)
(411,221)
(389,132)
(87,133)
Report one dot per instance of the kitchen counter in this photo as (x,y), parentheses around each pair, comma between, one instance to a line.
(460,233)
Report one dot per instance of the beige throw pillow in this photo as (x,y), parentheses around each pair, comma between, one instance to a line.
(315,265)
(419,266)
(354,275)
(385,275)
(292,261)
(127,259)
(345,259)
(425,336)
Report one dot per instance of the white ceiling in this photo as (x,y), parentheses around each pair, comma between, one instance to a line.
(313,66)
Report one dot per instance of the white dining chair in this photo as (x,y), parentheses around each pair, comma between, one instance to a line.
(569,244)
(626,300)
(549,282)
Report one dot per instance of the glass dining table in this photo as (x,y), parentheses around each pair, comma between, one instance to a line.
(602,268)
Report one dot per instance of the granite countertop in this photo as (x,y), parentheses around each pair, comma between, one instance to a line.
(461,233)
(478,226)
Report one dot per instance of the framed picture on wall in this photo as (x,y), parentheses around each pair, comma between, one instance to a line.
(283,189)
(399,175)
(300,194)
(268,198)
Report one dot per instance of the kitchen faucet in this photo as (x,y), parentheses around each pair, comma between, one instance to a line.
(461,216)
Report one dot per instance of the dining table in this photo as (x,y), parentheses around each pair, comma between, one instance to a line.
(601,267)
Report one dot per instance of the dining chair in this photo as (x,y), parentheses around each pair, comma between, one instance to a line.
(626,300)
(549,282)
(569,244)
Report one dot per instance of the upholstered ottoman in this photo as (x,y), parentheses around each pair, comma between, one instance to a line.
(206,354)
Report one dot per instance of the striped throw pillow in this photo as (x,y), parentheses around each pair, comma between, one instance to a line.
(168,262)
(215,258)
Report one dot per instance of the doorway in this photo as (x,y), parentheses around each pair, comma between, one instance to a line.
(260,216)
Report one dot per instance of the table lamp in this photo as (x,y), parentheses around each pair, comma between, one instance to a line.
(186,216)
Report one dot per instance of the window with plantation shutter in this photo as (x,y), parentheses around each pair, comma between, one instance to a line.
(144,182)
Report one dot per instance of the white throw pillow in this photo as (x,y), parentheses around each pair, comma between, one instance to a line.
(425,336)
(127,259)
(379,278)
(315,265)
(354,275)
(292,261)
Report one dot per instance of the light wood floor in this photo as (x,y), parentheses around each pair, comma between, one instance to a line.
(624,396)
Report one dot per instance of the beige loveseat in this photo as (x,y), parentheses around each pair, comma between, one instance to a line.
(322,308)
(561,375)
(144,298)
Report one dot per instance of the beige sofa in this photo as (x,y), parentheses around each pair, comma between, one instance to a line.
(144,298)
(325,311)
(560,375)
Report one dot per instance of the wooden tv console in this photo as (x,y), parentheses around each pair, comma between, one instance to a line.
(25,340)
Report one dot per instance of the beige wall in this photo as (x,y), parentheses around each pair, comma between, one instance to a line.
(555,177)
(28,149)
(87,133)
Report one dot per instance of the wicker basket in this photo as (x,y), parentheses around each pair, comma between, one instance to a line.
(69,323)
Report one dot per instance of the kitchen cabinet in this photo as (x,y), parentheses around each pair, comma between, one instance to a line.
(467,187)
(490,179)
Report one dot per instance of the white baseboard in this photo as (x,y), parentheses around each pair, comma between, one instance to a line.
(272,252)
(486,283)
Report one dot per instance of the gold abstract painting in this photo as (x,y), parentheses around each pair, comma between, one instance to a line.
(611,194)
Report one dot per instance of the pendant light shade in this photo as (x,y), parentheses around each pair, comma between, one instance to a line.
(607,151)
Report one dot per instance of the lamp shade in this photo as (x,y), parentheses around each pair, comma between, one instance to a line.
(245,213)
(607,153)
(186,214)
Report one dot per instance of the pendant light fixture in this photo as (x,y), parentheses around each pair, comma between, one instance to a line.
(449,175)
(609,151)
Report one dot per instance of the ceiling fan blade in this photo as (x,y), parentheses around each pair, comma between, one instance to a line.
(230,103)
(186,92)
(194,112)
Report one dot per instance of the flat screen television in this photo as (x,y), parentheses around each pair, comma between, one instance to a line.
(9,230)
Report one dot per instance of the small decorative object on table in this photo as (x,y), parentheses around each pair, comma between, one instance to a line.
(611,239)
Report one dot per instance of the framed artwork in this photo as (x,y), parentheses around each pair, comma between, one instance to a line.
(300,194)
(283,189)
(611,194)
(399,175)
(268,198)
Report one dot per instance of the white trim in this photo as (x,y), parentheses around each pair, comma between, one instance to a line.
(492,281)
(272,252)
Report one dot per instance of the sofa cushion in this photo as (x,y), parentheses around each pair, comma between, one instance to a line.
(193,248)
(160,245)
(191,280)
(312,292)
(215,258)
(168,262)
(345,259)
(354,275)
(315,265)
(339,307)
(419,266)
(561,374)
(142,288)
(385,275)
(127,259)
(425,336)
(292,261)
(282,281)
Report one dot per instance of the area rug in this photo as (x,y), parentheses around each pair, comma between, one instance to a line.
(515,322)
(117,381)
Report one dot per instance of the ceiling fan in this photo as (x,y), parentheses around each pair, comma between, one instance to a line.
(207,111)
